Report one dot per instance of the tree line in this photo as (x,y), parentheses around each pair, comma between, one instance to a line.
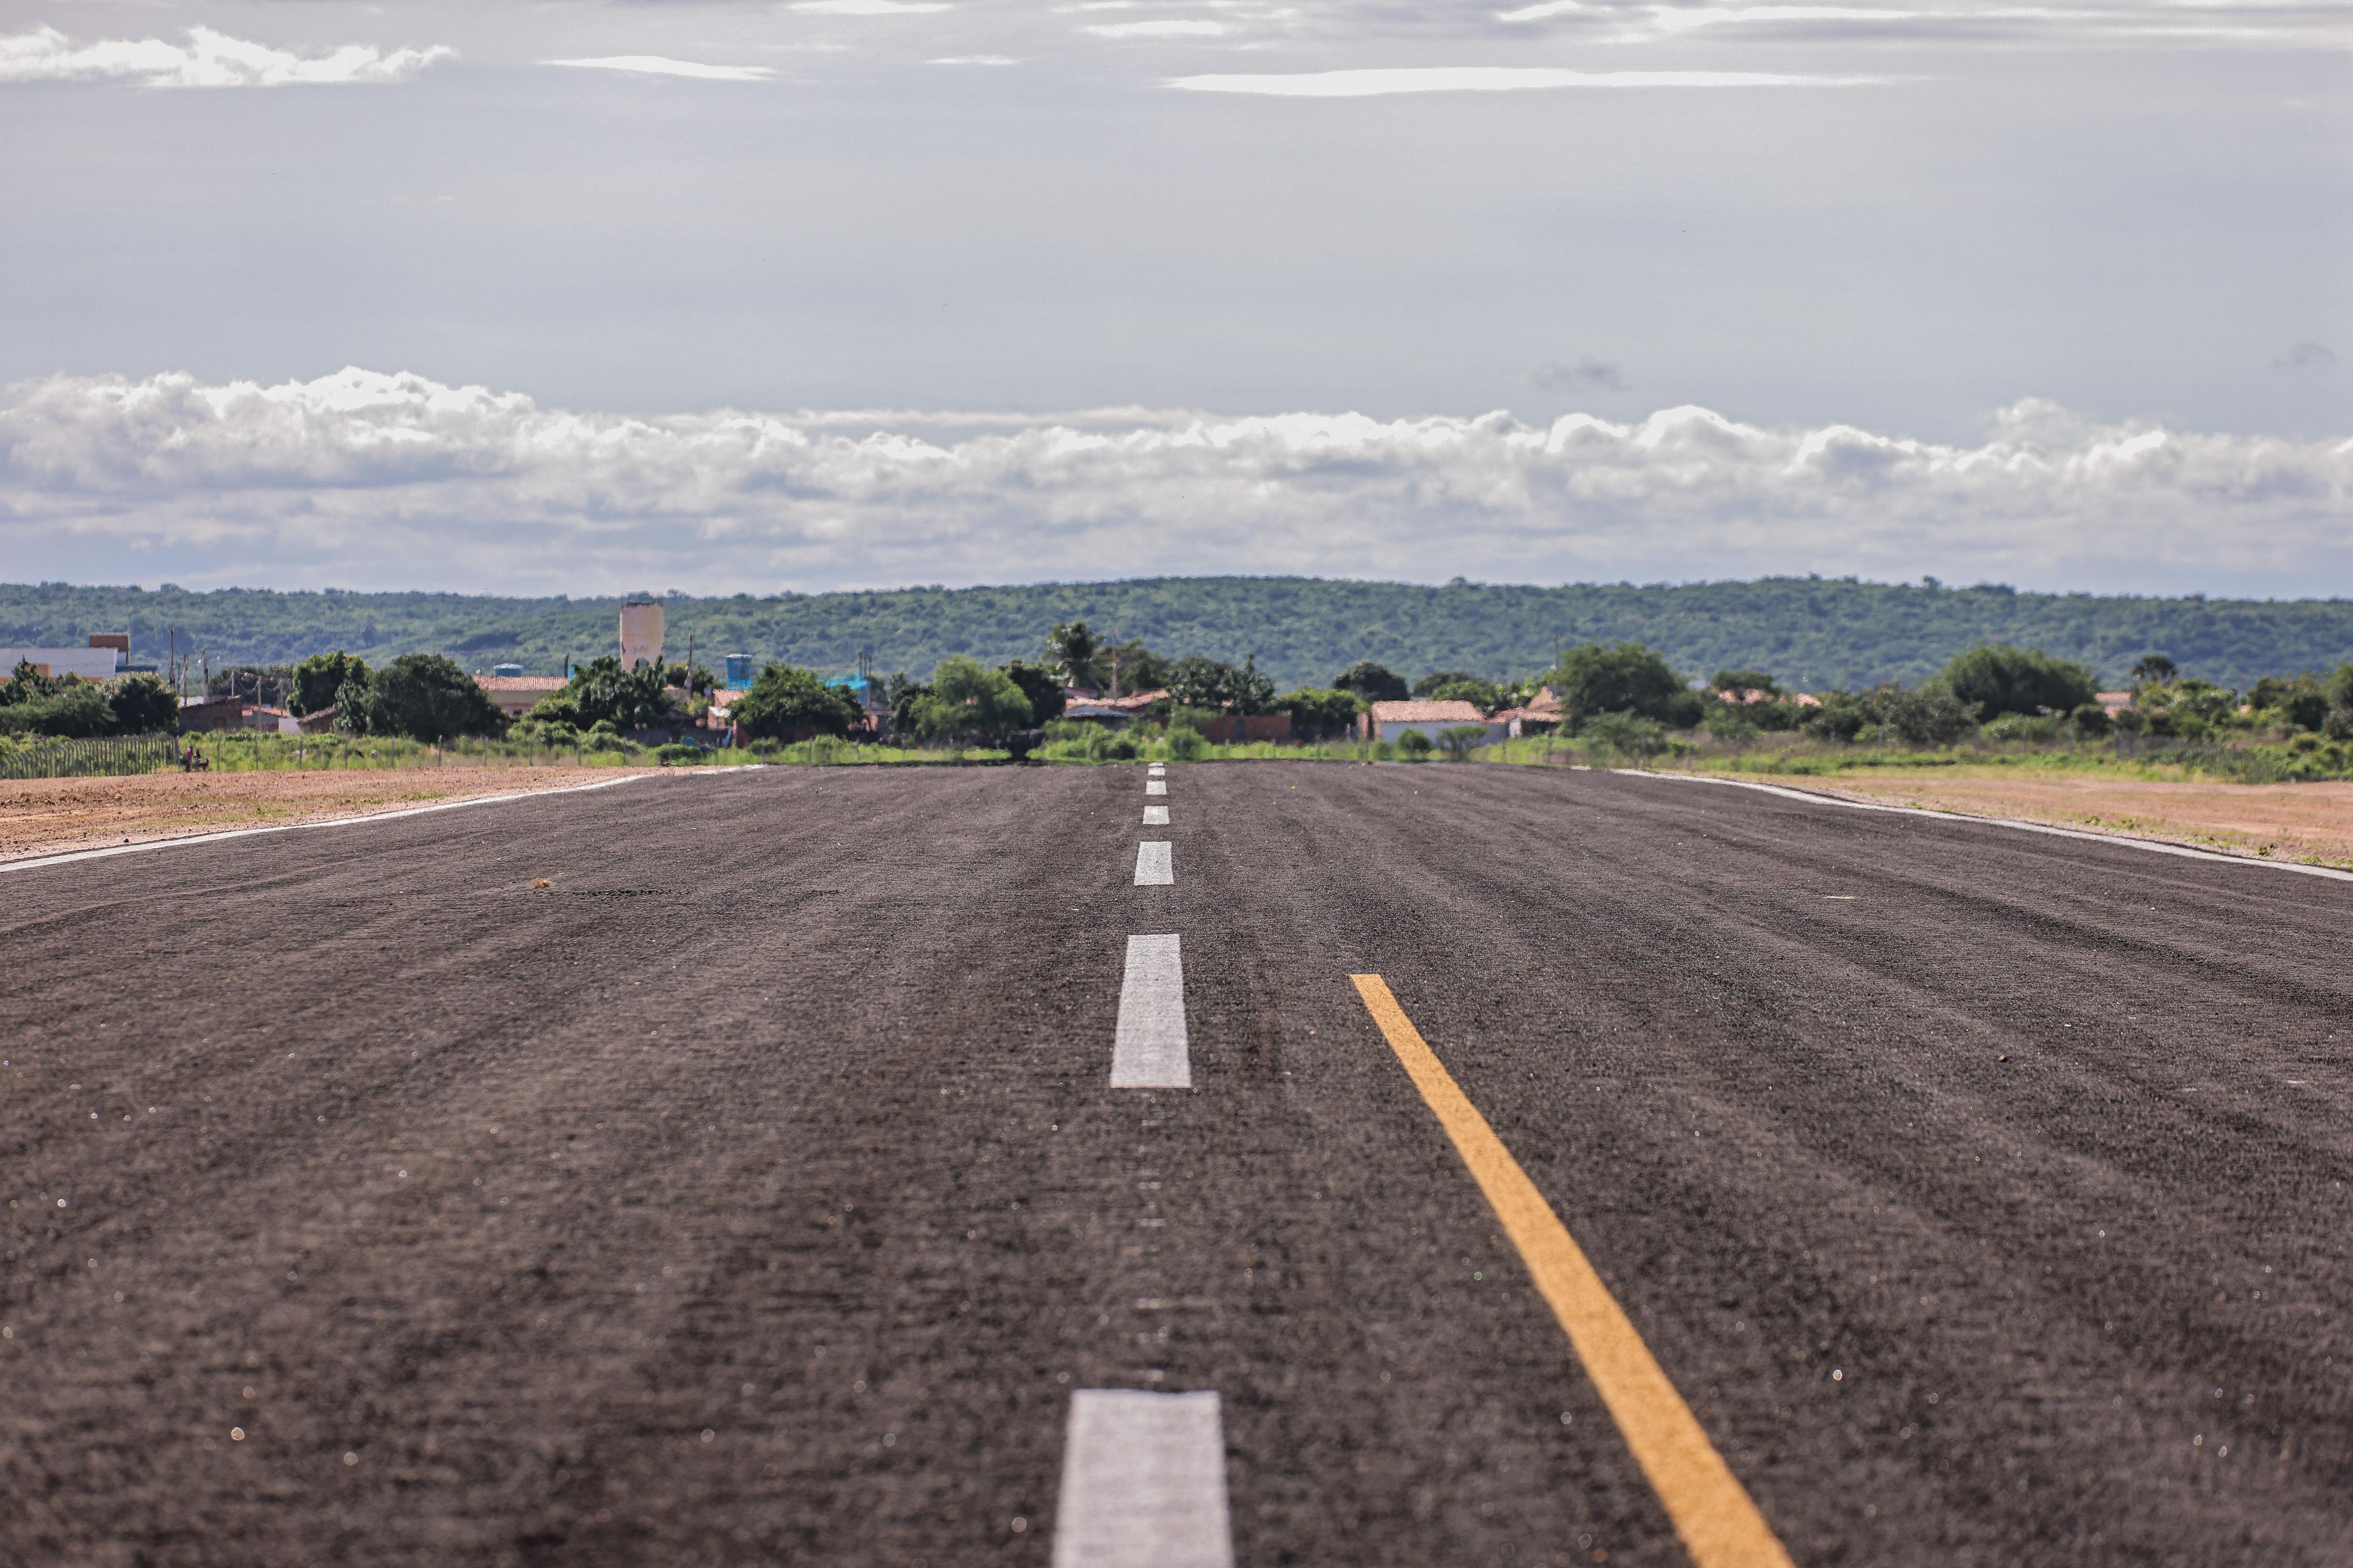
(1817,633)
(1627,688)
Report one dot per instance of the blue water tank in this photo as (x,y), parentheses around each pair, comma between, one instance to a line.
(506,670)
(739,672)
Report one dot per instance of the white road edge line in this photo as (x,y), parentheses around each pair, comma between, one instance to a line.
(1149,1050)
(1144,1482)
(74,854)
(2154,846)
(1156,816)
(1155,786)
(1155,864)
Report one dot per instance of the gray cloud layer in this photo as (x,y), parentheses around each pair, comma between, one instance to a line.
(365,480)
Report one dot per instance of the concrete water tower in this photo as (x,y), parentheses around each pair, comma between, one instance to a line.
(641,633)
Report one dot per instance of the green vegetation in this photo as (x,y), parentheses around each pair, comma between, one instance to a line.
(1207,643)
(1814,633)
(1199,681)
(970,703)
(1626,678)
(1372,682)
(1320,713)
(787,703)
(423,697)
(1992,680)
(69,707)
(601,692)
(1460,742)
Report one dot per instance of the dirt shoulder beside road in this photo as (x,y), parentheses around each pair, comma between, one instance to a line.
(2311,823)
(51,816)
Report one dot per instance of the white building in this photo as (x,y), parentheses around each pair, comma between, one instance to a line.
(89,663)
(1387,721)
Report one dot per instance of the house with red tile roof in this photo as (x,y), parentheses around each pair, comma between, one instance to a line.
(517,695)
(1387,721)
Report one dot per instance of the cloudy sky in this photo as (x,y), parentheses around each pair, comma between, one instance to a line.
(571,296)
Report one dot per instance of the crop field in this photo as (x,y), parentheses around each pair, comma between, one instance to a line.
(1205,1164)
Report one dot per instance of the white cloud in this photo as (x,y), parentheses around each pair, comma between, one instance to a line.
(206,59)
(1164,27)
(1685,19)
(974,60)
(1379,82)
(1989,21)
(868,7)
(661,65)
(365,480)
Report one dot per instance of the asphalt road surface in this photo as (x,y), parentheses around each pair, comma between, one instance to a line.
(756,1191)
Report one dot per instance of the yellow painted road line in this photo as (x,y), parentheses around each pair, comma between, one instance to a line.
(1719,1523)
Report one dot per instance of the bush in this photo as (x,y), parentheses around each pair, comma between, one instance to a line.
(1371,682)
(428,698)
(1199,682)
(1414,746)
(143,704)
(1731,721)
(2301,703)
(77,709)
(1318,714)
(968,700)
(2091,720)
(679,753)
(1460,741)
(1840,718)
(1994,678)
(1040,686)
(1931,716)
(319,679)
(1182,744)
(1626,678)
(787,701)
(1426,688)
(1629,734)
(601,692)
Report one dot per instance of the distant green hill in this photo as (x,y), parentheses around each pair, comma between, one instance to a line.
(1811,632)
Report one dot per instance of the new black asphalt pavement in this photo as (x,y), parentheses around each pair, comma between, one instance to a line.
(753,1193)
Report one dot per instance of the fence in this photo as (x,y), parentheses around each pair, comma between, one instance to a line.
(102,756)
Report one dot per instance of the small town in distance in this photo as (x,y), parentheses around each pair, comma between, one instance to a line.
(1086,695)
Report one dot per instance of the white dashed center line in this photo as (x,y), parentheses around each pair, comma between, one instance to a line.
(1149,1048)
(1144,1482)
(1155,786)
(1156,816)
(1157,769)
(1155,867)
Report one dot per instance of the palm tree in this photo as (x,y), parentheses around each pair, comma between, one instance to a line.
(1070,648)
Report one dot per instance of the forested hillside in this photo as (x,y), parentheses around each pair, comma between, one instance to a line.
(1813,633)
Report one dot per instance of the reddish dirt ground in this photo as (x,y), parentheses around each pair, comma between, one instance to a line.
(49,817)
(2307,822)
